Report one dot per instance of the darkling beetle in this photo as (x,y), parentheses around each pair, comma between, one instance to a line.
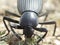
(30,10)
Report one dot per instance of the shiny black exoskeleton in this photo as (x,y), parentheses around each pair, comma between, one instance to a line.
(28,19)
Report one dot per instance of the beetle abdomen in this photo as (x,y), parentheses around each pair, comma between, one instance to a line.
(33,5)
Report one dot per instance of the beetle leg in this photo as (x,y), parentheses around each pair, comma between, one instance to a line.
(44,14)
(16,26)
(52,22)
(10,13)
(15,32)
(11,20)
(41,30)
(6,28)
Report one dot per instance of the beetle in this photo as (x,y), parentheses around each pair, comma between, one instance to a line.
(30,10)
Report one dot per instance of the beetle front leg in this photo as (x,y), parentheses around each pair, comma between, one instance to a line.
(10,20)
(6,28)
(41,30)
(52,22)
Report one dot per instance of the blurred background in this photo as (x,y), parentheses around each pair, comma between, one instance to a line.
(53,6)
